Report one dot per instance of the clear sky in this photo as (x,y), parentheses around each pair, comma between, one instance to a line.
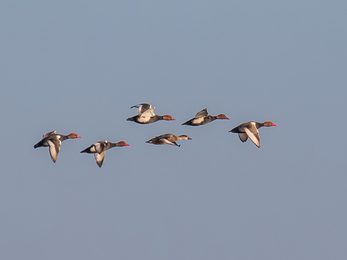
(78,66)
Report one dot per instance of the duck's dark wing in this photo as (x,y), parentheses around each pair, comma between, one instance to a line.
(142,108)
(201,113)
(243,137)
(49,134)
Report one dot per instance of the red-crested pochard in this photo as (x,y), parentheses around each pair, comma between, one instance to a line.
(99,149)
(53,140)
(168,139)
(145,115)
(250,130)
(202,118)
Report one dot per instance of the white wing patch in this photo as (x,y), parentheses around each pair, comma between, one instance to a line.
(99,158)
(254,137)
(148,113)
(165,141)
(141,108)
(53,150)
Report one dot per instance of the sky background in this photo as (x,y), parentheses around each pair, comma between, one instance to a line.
(78,66)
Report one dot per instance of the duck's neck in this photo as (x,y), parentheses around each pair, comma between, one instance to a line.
(258,125)
(213,118)
(112,144)
(64,137)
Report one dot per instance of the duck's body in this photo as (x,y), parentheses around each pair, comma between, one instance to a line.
(99,149)
(145,115)
(250,130)
(53,140)
(168,139)
(202,118)
(148,120)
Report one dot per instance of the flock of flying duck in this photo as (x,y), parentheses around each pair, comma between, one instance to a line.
(145,115)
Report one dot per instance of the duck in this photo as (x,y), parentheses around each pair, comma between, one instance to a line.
(202,118)
(99,149)
(53,140)
(146,115)
(250,130)
(168,139)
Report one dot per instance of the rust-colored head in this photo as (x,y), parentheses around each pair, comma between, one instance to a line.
(168,117)
(73,136)
(122,143)
(222,116)
(268,123)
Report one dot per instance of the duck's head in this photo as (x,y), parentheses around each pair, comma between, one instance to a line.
(122,143)
(73,136)
(268,123)
(168,117)
(222,116)
(185,137)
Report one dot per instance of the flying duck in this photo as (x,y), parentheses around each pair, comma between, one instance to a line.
(168,139)
(99,149)
(250,130)
(202,118)
(53,140)
(145,115)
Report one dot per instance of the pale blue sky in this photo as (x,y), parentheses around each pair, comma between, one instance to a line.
(78,66)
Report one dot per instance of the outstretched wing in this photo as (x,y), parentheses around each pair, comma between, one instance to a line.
(147,113)
(201,113)
(166,136)
(54,148)
(243,137)
(142,108)
(166,141)
(99,158)
(253,134)
(49,134)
